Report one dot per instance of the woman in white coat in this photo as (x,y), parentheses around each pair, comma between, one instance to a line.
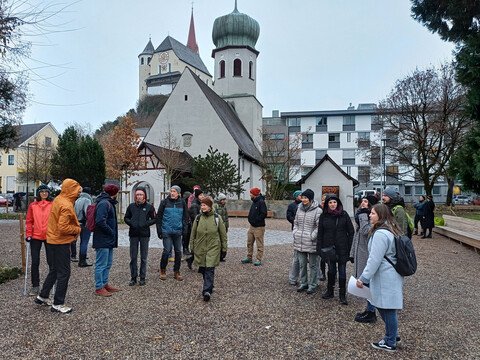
(386,285)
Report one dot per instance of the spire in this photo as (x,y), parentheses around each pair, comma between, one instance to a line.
(235,10)
(192,41)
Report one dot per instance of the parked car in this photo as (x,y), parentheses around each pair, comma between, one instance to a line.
(476,200)
(462,200)
(3,201)
(10,198)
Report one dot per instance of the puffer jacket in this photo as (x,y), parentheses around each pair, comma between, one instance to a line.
(208,239)
(305,227)
(335,230)
(63,226)
(172,217)
(105,235)
(37,219)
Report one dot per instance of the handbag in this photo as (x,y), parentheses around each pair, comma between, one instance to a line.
(328,253)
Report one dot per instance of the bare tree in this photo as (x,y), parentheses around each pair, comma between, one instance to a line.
(36,161)
(422,123)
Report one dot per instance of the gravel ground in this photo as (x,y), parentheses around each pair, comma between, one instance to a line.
(253,313)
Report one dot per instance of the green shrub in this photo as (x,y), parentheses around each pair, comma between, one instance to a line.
(7,273)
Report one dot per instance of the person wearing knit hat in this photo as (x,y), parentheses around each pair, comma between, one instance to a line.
(220,207)
(208,243)
(81,206)
(192,196)
(139,216)
(105,237)
(36,233)
(172,225)
(391,193)
(309,194)
(256,231)
(291,212)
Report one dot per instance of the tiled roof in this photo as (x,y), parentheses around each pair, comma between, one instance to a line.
(184,53)
(183,159)
(27,131)
(149,49)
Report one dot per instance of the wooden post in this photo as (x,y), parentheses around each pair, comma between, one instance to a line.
(22,242)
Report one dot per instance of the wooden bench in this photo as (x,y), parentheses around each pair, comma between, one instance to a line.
(244,213)
(462,230)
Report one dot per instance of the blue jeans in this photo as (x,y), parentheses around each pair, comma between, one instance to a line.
(389,317)
(84,239)
(103,264)
(342,269)
(169,241)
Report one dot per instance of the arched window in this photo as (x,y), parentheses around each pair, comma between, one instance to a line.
(237,67)
(141,61)
(222,69)
(250,70)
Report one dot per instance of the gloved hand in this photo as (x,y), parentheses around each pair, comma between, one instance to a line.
(352,260)
(28,239)
(222,255)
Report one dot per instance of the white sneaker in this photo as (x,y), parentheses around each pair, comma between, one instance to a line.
(61,309)
(42,301)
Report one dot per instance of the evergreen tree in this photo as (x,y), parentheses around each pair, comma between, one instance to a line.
(217,173)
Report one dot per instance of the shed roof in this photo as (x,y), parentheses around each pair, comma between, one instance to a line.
(327,158)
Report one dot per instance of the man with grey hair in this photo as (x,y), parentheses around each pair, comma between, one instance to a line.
(172,224)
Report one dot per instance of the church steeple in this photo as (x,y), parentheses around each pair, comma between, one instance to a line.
(192,41)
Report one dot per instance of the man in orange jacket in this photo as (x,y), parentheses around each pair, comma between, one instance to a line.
(62,229)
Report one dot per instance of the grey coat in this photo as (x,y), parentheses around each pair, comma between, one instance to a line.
(305,228)
(359,251)
(386,285)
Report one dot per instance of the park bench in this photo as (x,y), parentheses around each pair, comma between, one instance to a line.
(462,230)
(244,213)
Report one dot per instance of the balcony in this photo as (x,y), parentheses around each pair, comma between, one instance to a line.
(349,127)
(307,145)
(321,128)
(294,129)
(334,144)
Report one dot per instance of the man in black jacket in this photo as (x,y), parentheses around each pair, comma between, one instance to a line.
(140,215)
(256,232)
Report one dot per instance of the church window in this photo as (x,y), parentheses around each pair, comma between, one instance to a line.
(148,60)
(222,69)
(187,140)
(169,67)
(141,61)
(237,67)
(186,97)
(250,70)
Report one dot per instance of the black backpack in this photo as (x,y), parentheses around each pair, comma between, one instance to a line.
(405,253)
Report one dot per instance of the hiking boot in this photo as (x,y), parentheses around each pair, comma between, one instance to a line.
(103,292)
(206,296)
(381,345)
(328,294)
(247,260)
(257,263)
(163,274)
(142,282)
(369,318)
(61,309)
(302,288)
(177,276)
(360,314)
(342,292)
(34,291)
(111,289)
(42,301)
(132,282)
(83,261)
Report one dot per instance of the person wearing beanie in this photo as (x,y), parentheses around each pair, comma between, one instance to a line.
(256,231)
(291,212)
(172,224)
(305,228)
(220,207)
(81,205)
(62,228)
(139,216)
(36,233)
(192,196)
(334,242)
(208,243)
(396,204)
(105,237)
(359,251)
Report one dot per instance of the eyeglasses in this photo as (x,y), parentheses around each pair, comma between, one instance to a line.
(44,191)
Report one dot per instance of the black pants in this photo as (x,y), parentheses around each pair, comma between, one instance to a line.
(35,248)
(134,245)
(59,263)
(416,220)
(73,249)
(208,274)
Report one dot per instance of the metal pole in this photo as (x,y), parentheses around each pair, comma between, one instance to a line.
(26,271)
(28,163)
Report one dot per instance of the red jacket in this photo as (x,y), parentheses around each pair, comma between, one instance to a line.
(37,219)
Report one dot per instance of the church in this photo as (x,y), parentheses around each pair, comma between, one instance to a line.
(201,111)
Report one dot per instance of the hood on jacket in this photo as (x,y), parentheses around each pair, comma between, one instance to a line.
(104,196)
(332,197)
(85,195)
(70,189)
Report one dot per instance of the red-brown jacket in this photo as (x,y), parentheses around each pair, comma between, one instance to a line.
(37,219)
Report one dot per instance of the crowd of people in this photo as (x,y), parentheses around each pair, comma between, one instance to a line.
(197,227)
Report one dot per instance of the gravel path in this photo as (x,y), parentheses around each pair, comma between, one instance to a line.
(253,313)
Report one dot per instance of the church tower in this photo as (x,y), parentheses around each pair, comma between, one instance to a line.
(235,75)
(144,70)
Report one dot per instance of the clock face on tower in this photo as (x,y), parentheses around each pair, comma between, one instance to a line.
(164,58)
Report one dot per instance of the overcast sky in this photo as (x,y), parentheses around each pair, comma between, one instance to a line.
(314,54)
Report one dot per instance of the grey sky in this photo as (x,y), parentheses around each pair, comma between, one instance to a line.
(314,54)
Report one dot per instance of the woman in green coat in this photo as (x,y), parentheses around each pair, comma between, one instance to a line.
(208,243)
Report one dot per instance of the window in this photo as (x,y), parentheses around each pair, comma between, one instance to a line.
(364,174)
(250,70)
(307,141)
(334,140)
(274,136)
(349,170)
(363,139)
(319,154)
(237,67)
(436,190)
(148,60)
(418,190)
(222,69)
(142,61)
(321,122)
(349,137)
(11,160)
(349,123)
(187,140)
(0,162)
(408,190)
(48,141)
(392,170)
(364,136)
(348,157)
(293,121)
(186,97)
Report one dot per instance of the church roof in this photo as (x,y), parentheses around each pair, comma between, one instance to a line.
(231,121)
(183,53)
(192,40)
(149,49)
